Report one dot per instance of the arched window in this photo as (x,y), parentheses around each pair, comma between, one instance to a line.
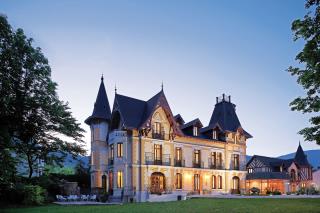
(214,182)
(179,181)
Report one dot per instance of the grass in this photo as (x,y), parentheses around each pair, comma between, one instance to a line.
(190,206)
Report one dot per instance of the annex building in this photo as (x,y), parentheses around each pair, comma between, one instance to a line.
(274,174)
(140,148)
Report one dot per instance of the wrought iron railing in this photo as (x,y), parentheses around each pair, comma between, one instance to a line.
(159,135)
(151,159)
(197,164)
(179,163)
(215,164)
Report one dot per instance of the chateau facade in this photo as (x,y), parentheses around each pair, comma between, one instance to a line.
(139,149)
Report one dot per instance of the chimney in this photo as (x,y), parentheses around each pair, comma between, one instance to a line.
(229,97)
(223,95)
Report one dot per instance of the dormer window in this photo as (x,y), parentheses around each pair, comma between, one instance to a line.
(215,135)
(195,131)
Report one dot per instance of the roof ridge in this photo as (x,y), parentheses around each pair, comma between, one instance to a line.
(130,97)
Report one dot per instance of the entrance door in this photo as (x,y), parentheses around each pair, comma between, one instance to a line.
(196,183)
(157,183)
(235,185)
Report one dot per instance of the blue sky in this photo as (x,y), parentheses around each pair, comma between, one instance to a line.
(199,49)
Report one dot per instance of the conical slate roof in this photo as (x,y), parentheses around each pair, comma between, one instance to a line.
(101,108)
(300,158)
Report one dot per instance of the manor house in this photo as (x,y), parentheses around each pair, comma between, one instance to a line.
(140,148)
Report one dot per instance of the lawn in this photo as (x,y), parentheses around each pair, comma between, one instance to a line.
(194,205)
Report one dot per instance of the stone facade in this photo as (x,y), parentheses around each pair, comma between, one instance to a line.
(159,158)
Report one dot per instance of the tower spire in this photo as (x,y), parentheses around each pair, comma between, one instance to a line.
(102,77)
(115,88)
(162,86)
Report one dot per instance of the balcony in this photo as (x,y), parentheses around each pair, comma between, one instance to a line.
(159,135)
(179,163)
(215,165)
(164,161)
(197,164)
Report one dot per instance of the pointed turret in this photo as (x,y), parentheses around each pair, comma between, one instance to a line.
(101,108)
(300,158)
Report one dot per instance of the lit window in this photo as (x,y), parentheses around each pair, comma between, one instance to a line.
(111,151)
(214,159)
(120,179)
(120,150)
(195,131)
(179,181)
(219,182)
(214,182)
(157,152)
(157,127)
(214,135)
(196,156)
(250,170)
(178,154)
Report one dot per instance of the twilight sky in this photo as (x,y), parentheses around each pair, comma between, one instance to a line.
(199,49)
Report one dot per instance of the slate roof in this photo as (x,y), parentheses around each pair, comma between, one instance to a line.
(178,118)
(195,122)
(224,116)
(101,108)
(300,158)
(267,175)
(136,113)
(131,110)
(267,161)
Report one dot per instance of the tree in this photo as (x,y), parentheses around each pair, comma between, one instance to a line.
(38,123)
(308,74)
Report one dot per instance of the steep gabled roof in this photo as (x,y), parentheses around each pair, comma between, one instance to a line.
(101,108)
(195,122)
(159,100)
(300,158)
(137,113)
(131,110)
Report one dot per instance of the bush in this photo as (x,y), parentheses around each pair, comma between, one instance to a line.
(255,191)
(268,192)
(312,190)
(103,197)
(301,191)
(33,195)
(276,192)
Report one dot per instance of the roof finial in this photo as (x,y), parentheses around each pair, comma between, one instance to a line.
(102,77)
(115,88)
(162,86)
